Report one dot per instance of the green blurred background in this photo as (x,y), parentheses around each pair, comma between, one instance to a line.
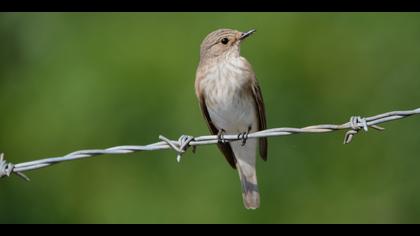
(71,81)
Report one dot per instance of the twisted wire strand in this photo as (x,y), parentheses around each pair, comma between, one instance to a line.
(181,145)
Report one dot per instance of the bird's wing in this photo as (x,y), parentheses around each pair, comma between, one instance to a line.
(224,147)
(262,123)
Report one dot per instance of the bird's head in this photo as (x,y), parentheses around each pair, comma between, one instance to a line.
(223,43)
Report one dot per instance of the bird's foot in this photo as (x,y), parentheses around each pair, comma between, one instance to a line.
(220,134)
(244,136)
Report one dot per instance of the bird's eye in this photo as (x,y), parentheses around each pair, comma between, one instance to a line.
(225,40)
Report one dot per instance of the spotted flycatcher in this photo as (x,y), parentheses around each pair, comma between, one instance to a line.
(232,103)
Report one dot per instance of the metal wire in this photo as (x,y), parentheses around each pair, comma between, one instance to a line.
(181,145)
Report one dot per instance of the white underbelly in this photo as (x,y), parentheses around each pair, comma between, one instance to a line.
(229,106)
(233,114)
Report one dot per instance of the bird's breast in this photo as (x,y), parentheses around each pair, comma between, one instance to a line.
(229,99)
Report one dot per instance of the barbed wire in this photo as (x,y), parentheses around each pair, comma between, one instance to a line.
(181,145)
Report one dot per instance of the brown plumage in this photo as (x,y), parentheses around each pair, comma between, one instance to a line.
(231,100)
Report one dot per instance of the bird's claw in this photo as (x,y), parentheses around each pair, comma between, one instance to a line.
(220,134)
(243,136)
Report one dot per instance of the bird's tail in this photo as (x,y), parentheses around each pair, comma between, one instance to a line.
(248,177)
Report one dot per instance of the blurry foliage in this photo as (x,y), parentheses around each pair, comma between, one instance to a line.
(71,81)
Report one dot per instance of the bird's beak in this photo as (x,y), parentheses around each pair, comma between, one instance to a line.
(246,34)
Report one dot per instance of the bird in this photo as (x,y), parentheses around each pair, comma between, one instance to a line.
(231,102)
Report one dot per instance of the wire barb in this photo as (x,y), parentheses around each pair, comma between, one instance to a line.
(7,169)
(180,147)
(355,124)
